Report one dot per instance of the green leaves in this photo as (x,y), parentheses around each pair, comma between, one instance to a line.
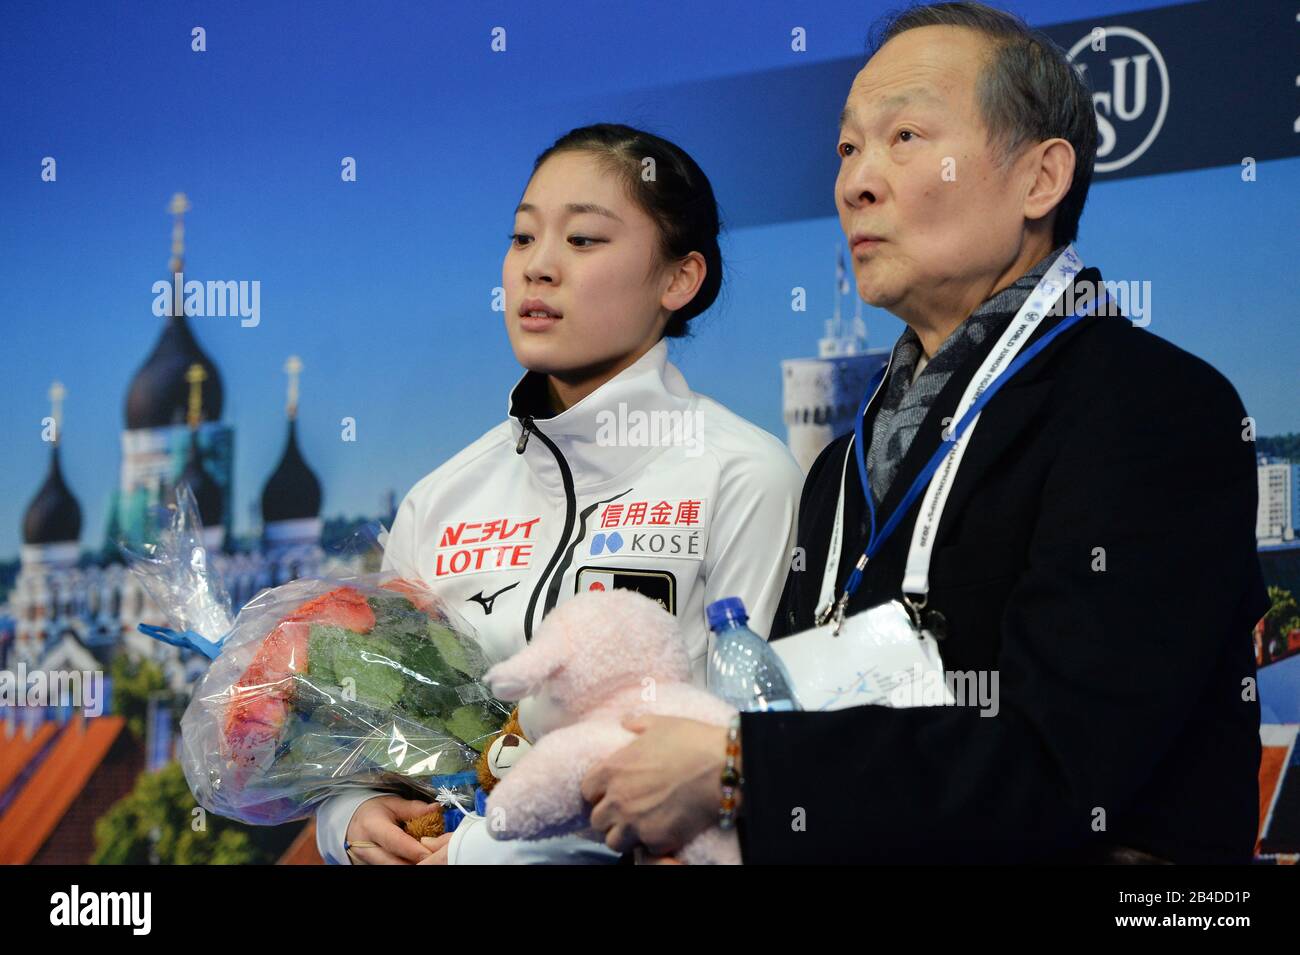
(409,666)
(159,823)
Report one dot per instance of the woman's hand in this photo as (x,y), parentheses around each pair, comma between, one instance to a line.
(438,849)
(642,857)
(662,789)
(379,821)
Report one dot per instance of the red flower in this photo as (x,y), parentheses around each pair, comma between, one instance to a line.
(260,700)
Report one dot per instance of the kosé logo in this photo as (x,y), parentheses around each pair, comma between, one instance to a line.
(651,528)
(1130,92)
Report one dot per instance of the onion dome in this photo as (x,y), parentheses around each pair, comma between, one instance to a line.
(293,491)
(158,395)
(53,516)
(207,492)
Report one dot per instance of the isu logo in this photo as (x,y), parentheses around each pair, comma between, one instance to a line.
(473,547)
(1130,84)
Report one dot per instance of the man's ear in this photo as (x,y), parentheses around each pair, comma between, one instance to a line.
(1052,168)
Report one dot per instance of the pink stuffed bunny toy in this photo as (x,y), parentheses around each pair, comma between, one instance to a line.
(596,658)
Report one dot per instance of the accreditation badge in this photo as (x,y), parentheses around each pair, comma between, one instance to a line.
(880,656)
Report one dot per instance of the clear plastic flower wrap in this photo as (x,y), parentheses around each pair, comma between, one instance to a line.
(318,685)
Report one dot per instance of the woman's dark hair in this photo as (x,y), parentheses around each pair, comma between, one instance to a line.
(673,191)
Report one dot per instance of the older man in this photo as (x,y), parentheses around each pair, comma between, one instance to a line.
(1095,552)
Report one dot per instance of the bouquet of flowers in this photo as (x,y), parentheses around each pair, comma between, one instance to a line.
(318,684)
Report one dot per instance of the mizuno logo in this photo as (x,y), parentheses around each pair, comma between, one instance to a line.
(486,602)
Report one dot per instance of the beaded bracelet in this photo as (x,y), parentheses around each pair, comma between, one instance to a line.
(731,780)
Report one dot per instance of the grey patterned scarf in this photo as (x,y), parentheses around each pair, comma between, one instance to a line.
(905,405)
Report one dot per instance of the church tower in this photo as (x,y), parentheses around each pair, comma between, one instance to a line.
(52,523)
(820,396)
(207,492)
(291,498)
(157,442)
(42,604)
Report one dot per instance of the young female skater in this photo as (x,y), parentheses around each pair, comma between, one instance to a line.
(609,470)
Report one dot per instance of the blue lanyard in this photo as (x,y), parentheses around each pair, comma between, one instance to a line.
(877,539)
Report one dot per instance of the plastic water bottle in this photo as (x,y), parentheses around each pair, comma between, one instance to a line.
(743,670)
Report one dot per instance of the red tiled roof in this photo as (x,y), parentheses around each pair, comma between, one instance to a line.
(17,751)
(1279,740)
(57,782)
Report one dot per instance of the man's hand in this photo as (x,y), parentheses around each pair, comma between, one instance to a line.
(662,789)
(379,821)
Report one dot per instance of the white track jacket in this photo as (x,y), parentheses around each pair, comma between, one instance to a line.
(643,484)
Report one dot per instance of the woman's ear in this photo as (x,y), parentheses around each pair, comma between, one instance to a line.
(687,277)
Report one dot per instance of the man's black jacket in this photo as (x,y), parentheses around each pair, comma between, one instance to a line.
(1127,710)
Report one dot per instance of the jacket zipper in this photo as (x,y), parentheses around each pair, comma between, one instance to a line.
(570,508)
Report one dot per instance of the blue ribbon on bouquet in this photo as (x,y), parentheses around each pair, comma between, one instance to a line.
(185,639)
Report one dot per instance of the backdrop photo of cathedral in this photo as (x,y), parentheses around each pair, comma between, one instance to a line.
(76,787)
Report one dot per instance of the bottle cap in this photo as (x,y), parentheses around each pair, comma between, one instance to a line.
(726,610)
